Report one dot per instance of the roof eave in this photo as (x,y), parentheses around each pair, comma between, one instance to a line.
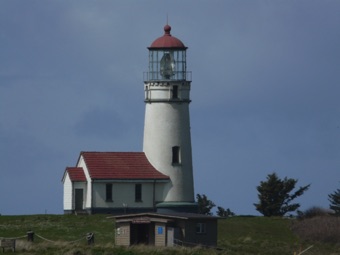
(129,180)
(167,48)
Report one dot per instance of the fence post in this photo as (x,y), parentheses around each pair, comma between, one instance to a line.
(90,238)
(30,236)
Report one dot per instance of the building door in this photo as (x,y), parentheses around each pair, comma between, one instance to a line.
(79,199)
(141,234)
(170,236)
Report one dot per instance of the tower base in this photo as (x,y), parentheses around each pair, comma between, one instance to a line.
(171,207)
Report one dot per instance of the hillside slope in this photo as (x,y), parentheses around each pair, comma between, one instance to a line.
(66,234)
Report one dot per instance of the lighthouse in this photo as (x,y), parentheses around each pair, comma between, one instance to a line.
(167,139)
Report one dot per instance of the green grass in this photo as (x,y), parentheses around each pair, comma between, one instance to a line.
(269,236)
(58,227)
(253,235)
(236,236)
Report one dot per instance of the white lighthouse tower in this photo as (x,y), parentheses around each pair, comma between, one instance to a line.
(167,139)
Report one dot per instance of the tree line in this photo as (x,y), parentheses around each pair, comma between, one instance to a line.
(275,198)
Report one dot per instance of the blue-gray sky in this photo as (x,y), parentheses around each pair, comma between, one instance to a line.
(265,93)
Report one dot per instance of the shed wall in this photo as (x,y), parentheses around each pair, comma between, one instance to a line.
(209,238)
(122,234)
(160,234)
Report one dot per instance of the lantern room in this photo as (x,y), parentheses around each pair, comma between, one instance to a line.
(167,58)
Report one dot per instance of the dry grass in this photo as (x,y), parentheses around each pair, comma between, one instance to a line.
(318,229)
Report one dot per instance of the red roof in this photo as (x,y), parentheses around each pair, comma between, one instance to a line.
(120,165)
(76,174)
(167,41)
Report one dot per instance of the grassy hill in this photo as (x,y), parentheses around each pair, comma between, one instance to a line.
(66,234)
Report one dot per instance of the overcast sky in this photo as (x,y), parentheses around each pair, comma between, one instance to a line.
(265,93)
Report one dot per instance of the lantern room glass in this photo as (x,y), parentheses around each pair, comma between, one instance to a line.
(167,65)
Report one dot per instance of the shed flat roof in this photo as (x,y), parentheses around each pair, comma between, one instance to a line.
(175,215)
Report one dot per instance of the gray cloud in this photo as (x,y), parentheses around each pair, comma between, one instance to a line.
(264,92)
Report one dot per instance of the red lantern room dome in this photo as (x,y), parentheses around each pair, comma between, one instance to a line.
(167,41)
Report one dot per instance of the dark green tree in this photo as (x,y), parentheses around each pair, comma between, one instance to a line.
(334,198)
(204,204)
(276,196)
(224,212)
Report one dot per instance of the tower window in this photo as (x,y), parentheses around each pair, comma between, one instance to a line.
(109,192)
(176,155)
(174,92)
(138,192)
(147,92)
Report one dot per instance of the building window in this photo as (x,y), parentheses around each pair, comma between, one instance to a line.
(175,92)
(138,192)
(201,228)
(109,192)
(176,159)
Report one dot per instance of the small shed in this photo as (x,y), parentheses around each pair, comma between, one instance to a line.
(170,229)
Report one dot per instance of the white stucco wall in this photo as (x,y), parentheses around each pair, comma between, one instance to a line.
(67,193)
(167,124)
(161,190)
(163,91)
(122,193)
(88,196)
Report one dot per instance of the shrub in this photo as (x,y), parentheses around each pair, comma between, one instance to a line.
(324,228)
(313,212)
(276,196)
(224,212)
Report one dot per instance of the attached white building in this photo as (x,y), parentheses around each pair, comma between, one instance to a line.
(112,182)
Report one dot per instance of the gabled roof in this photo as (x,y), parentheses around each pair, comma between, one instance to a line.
(120,165)
(76,174)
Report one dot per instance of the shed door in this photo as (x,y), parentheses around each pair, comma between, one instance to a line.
(79,199)
(170,236)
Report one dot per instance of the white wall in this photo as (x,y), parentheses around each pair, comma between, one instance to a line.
(122,193)
(167,124)
(68,193)
(88,199)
